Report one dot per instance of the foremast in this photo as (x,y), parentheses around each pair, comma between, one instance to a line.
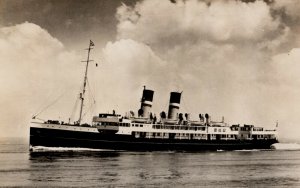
(85,80)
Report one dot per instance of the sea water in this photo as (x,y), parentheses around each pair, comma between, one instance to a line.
(81,167)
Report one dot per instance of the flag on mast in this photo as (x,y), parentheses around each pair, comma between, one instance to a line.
(91,43)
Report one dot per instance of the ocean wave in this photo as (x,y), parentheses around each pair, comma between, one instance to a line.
(62,149)
(247,150)
(286,146)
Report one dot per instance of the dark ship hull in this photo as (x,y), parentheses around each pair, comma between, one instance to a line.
(77,139)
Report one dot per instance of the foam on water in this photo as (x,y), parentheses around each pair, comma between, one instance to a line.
(247,150)
(62,149)
(277,146)
(286,146)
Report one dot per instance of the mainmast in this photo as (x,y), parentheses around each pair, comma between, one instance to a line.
(85,79)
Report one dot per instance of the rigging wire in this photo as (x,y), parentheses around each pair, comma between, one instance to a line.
(48,106)
(92,102)
(46,102)
(91,92)
(74,109)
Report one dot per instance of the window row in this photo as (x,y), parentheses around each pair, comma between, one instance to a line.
(219,130)
(178,127)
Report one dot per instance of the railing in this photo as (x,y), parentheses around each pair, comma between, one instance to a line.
(178,127)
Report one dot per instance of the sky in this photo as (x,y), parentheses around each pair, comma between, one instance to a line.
(237,59)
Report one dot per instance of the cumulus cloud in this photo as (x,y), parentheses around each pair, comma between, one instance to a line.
(190,21)
(34,65)
(290,7)
(206,42)
(288,12)
(128,66)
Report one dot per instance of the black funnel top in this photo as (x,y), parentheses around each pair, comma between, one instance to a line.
(147,95)
(175,97)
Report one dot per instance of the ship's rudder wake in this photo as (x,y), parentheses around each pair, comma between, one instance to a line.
(286,146)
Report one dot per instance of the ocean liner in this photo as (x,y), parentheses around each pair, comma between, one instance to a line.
(146,132)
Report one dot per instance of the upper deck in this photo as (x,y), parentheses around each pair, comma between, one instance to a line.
(211,130)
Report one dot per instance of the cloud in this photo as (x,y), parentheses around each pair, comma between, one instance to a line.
(211,43)
(34,65)
(287,12)
(155,22)
(290,7)
(128,66)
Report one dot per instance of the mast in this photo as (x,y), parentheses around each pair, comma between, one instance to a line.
(85,79)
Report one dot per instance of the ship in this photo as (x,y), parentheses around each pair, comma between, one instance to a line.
(172,131)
